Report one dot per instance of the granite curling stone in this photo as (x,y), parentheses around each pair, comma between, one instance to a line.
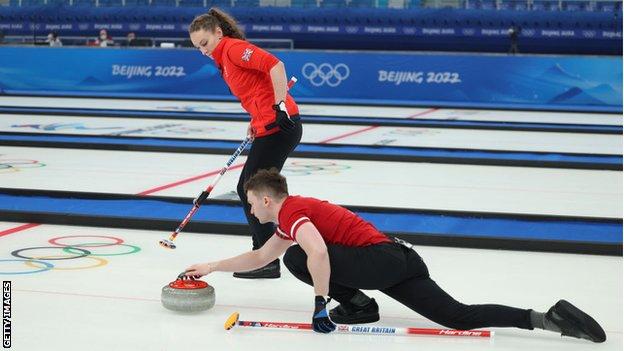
(187,294)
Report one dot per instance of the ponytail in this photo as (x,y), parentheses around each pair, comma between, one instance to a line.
(217,18)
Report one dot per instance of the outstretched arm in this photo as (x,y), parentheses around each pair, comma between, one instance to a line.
(271,250)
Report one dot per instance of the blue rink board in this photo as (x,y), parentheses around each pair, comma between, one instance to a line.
(321,149)
(568,83)
(348,120)
(497,226)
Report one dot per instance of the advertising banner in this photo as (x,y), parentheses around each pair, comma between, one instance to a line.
(560,82)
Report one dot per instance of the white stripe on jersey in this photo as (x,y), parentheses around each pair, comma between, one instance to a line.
(282,234)
(294,226)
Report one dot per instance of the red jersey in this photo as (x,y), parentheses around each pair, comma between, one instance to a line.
(336,224)
(246,70)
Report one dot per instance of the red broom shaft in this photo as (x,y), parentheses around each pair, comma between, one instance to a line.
(291,82)
(380,330)
(275,325)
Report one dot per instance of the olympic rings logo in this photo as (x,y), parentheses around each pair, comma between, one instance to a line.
(325,73)
(303,168)
(15,165)
(69,252)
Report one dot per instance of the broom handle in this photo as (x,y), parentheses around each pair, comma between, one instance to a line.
(378,330)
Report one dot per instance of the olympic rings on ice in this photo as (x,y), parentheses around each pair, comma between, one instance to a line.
(55,241)
(412,132)
(303,168)
(71,251)
(99,263)
(15,165)
(17,253)
(46,266)
(133,249)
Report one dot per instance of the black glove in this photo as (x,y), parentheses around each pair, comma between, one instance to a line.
(200,198)
(320,320)
(282,118)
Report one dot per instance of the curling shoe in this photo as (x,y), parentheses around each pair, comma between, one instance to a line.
(270,271)
(360,309)
(574,322)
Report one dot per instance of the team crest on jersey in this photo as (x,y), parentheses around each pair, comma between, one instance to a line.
(247,54)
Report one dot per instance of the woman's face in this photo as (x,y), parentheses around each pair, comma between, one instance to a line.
(206,41)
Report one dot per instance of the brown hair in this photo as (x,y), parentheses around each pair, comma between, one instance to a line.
(268,180)
(217,18)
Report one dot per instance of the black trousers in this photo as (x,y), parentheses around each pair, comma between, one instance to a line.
(400,273)
(266,152)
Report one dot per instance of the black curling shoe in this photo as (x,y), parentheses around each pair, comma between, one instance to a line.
(360,309)
(574,322)
(270,271)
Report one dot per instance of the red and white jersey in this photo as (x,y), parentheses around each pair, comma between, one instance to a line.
(246,70)
(336,224)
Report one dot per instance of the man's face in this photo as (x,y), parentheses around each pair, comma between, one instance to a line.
(259,206)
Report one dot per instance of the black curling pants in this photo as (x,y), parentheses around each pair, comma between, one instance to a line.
(400,273)
(266,152)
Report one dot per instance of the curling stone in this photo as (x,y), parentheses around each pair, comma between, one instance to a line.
(187,294)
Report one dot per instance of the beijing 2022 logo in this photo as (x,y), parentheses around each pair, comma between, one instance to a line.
(325,73)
